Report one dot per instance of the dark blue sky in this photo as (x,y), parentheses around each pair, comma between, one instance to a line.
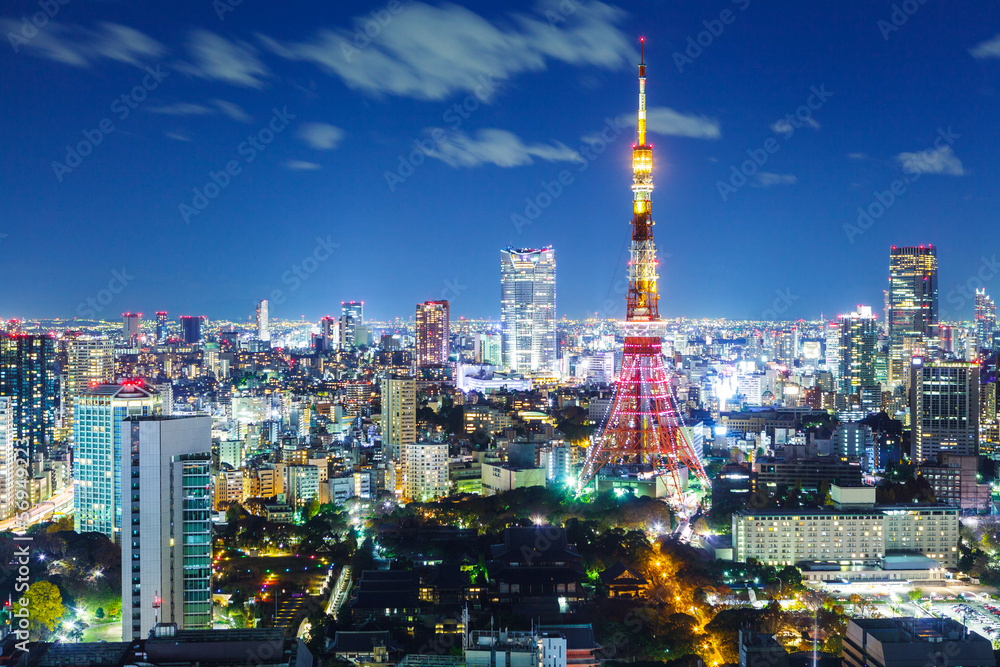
(541,82)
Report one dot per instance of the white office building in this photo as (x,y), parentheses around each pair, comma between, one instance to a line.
(167,548)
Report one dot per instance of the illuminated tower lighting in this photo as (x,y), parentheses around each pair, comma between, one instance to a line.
(643,435)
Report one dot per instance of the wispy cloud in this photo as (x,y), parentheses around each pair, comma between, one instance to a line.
(178,135)
(82,47)
(988,49)
(232,110)
(669,122)
(499,147)
(858,156)
(321,136)
(429,52)
(932,161)
(784,127)
(217,59)
(766,179)
(301,165)
(182,109)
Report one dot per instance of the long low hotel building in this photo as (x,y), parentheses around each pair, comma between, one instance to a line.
(853,534)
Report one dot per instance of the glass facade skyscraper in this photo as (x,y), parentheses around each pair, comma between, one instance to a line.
(528,309)
(911,306)
(857,351)
(97,437)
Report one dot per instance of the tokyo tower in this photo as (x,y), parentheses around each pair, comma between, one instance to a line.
(642,437)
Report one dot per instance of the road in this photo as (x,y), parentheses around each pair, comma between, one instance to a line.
(60,503)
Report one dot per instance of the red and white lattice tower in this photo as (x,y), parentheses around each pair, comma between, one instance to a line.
(643,434)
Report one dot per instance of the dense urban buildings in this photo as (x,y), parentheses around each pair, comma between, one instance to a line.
(528,309)
(478,482)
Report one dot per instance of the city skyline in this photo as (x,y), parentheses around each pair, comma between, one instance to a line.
(225,75)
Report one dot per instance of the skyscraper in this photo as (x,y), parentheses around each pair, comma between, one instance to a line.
(432,333)
(399,413)
(131,327)
(329,337)
(27,375)
(167,549)
(944,409)
(986,320)
(858,347)
(528,309)
(98,438)
(263,326)
(355,310)
(90,361)
(191,328)
(161,326)
(912,307)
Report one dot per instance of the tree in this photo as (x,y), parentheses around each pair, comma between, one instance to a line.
(915,594)
(99,614)
(45,606)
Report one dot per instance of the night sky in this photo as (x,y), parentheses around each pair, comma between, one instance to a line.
(315,121)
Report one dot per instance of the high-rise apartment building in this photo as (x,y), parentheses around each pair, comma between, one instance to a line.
(98,438)
(425,471)
(131,327)
(857,351)
(832,353)
(90,361)
(27,375)
(399,413)
(161,326)
(8,430)
(944,409)
(263,325)
(432,333)
(911,307)
(329,336)
(986,320)
(167,545)
(528,309)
